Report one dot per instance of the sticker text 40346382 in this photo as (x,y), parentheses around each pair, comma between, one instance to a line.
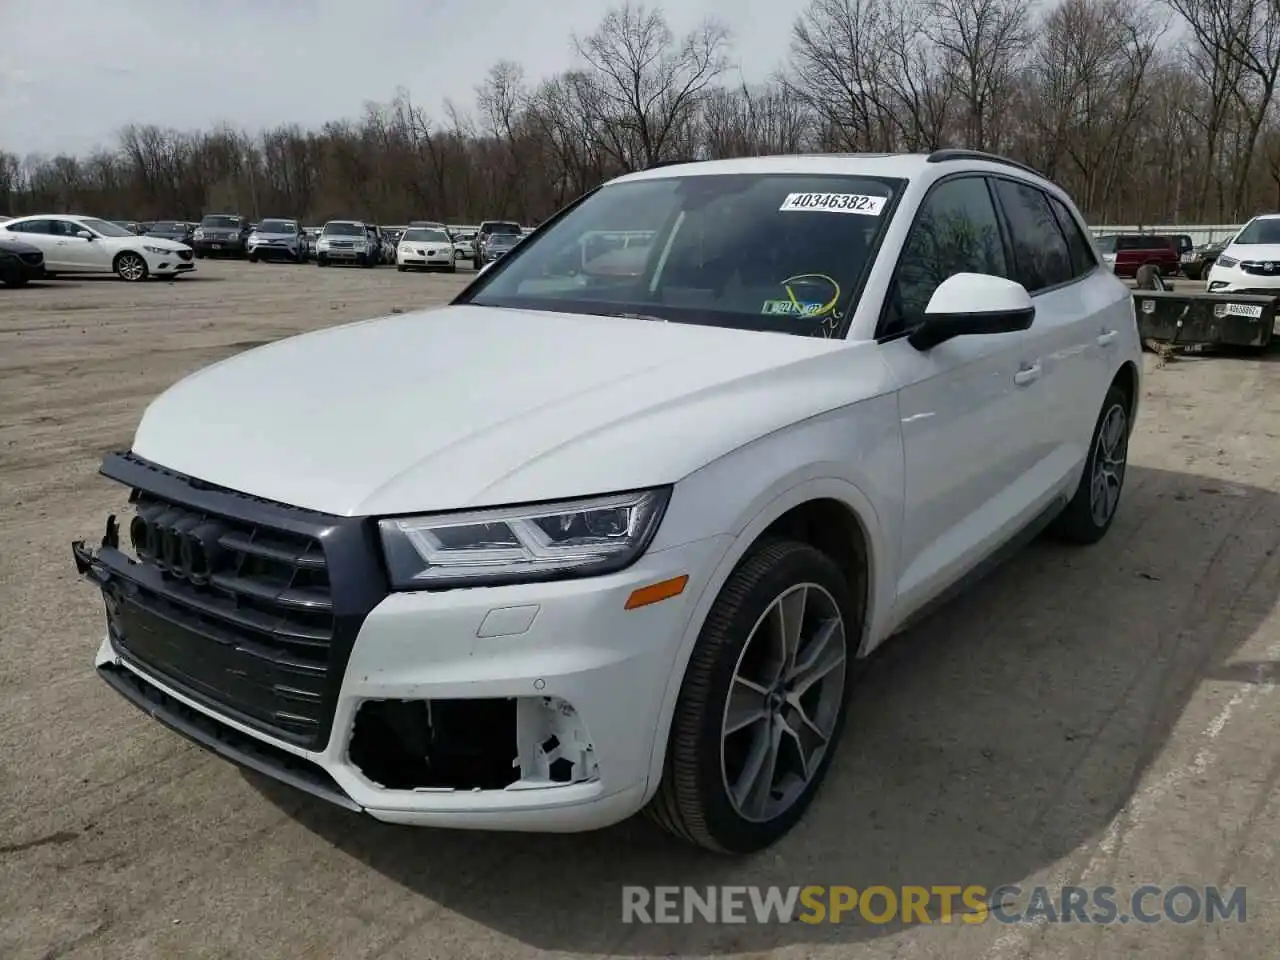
(833,203)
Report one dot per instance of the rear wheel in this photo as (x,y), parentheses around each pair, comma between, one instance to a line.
(1088,516)
(763,701)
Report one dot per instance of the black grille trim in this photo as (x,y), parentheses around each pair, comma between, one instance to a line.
(286,647)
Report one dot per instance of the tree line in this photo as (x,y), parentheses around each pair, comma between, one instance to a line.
(1146,111)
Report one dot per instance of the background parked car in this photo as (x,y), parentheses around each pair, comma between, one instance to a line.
(464,245)
(75,244)
(423,247)
(487,229)
(1196,264)
(1126,252)
(20,262)
(179,231)
(274,239)
(348,241)
(222,235)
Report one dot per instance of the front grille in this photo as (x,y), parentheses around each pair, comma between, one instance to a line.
(184,254)
(1261,267)
(245,605)
(244,617)
(32,259)
(344,244)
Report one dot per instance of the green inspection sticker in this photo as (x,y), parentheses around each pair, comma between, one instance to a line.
(791,308)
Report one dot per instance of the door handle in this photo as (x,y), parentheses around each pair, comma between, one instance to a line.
(1107,337)
(1027,375)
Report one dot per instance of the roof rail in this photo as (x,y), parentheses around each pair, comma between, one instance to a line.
(959,153)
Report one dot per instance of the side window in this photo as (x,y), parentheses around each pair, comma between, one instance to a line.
(955,231)
(1082,260)
(1040,249)
(34,226)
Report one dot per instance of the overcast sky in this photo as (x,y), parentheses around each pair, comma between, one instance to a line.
(72,72)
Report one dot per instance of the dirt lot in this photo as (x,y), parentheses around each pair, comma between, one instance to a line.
(1105,716)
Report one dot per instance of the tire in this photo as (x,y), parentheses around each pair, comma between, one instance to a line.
(401,267)
(130,266)
(693,800)
(18,281)
(453,267)
(199,255)
(253,258)
(1079,522)
(368,261)
(322,261)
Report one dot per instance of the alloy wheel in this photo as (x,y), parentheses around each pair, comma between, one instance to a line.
(783,703)
(131,267)
(1109,457)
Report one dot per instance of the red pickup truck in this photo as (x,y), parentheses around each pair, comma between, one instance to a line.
(1126,252)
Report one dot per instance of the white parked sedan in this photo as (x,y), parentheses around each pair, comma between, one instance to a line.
(1250,263)
(592,540)
(74,244)
(422,248)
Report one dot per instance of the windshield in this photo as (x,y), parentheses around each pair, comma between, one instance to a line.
(496,228)
(277,226)
(222,223)
(425,236)
(1262,230)
(104,228)
(344,230)
(778,252)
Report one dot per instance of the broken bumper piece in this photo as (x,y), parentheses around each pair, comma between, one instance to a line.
(525,707)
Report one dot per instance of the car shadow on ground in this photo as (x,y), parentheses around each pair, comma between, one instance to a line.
(983,745)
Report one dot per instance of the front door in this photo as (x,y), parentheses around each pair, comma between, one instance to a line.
(78,254)
(965,405)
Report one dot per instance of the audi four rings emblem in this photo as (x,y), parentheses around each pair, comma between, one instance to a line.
(179,542)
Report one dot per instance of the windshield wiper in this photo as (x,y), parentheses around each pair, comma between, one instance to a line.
(640,316)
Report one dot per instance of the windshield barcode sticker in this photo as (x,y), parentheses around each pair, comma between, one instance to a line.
(833,203)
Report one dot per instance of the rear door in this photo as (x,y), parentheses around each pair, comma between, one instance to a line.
(1073,331)
(963,407)
(40,233)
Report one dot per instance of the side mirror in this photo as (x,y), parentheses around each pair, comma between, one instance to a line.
(973,304)
(84,234)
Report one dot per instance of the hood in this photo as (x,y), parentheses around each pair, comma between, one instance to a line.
(164,243)
(1266,252)
(475,406)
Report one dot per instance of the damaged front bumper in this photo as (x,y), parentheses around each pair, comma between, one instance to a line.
(523,707)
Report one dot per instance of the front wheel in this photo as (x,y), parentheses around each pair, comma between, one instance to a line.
(130,266)
(18,280)
(322,261)
(453,267)
(253,258)
(763,701)
(1088,516)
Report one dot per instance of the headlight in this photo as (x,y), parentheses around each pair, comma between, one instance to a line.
(551,541)
(198,235)
(160,251)
(1227,261)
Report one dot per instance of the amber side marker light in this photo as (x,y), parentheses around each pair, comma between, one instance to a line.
(657,592)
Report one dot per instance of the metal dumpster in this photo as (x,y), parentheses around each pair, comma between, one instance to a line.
(1206,319)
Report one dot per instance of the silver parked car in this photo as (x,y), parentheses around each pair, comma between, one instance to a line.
(278,240)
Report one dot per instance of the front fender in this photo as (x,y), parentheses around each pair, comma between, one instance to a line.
(869,483)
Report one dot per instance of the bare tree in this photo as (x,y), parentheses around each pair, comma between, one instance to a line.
(649,84)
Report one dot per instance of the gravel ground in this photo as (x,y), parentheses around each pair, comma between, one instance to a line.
(1101,716)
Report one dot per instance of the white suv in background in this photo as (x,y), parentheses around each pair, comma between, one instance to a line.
(608,532)
(1250,263)
(73,244)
